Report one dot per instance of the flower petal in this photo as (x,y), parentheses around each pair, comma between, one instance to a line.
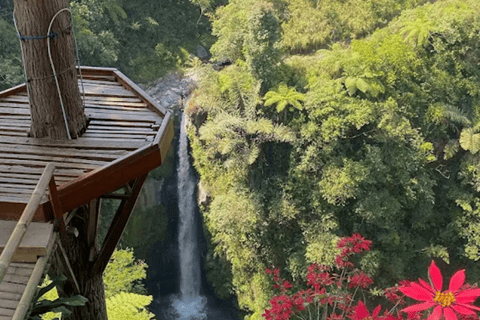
(376,311)
(417,292)
(461,309)
(361,310)
(469,306)
(436,314)
(426,285)
(435,276)
(449,314)
(467,296)
(419,307)
(457,280)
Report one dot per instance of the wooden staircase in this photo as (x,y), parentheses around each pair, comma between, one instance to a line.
(25,250)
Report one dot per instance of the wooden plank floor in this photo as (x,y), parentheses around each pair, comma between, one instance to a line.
(120,123)
(12,287)
(34,244)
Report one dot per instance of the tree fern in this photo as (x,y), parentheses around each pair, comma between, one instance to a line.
(416,32)
(284,96)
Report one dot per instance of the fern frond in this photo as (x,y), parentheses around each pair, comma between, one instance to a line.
(451,149)
(457,115)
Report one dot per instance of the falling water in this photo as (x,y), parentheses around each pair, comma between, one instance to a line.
(190,304)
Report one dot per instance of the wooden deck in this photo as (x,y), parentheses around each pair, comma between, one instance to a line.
(125,127)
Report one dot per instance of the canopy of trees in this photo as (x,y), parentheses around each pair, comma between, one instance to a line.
(367,122)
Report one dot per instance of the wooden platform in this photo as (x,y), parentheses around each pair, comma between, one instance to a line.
(12,288)
(127,129)
(33,244)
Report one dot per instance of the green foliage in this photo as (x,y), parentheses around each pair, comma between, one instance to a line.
(315,24)
(123,274)
(11,70)
(145,33)
(382,140)
(230,27)
(47,305)
(128,306)
(261,47)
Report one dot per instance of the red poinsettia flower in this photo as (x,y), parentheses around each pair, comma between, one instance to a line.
(361,312)
(446,303)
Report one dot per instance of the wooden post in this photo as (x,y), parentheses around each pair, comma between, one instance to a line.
(116,228)
(92,228)
(56,205)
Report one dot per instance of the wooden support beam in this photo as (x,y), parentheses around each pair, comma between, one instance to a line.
(117,196)
(62,256)
(98,182)
(118,225)
(93,227)
(56,205)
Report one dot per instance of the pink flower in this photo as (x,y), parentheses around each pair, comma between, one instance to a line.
(446,303)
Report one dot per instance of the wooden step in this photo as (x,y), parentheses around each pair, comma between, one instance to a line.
(33,245)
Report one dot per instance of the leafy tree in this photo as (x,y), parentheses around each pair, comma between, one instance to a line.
(123,274)
(11,69)
(262,44)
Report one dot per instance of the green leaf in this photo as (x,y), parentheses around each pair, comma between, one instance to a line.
(469,140)
(351,85)
(363,85)
(281,105)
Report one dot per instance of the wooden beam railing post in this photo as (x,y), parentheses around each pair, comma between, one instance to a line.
(56,205)
(24,221)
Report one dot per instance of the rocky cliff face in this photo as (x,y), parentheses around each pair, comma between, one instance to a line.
(172,90)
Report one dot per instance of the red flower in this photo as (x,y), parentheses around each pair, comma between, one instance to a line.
(281,308)
(454,300)
(319,276)
(360,280)
(361,312)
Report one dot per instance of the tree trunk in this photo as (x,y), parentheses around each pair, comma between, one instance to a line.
(33,20)
(90,282)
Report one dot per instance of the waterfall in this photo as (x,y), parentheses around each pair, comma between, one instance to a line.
(190,304)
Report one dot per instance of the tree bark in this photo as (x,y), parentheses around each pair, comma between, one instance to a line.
(33,19)
(90,282)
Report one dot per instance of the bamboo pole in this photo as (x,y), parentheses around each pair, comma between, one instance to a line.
(31,288)
(24,221)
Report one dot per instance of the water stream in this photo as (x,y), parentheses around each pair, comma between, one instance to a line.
(190,304)
(192,299)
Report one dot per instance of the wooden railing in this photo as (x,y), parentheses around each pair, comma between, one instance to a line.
(46,180)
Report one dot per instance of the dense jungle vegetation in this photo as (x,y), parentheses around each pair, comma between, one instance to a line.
(327,118)
(335,117)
